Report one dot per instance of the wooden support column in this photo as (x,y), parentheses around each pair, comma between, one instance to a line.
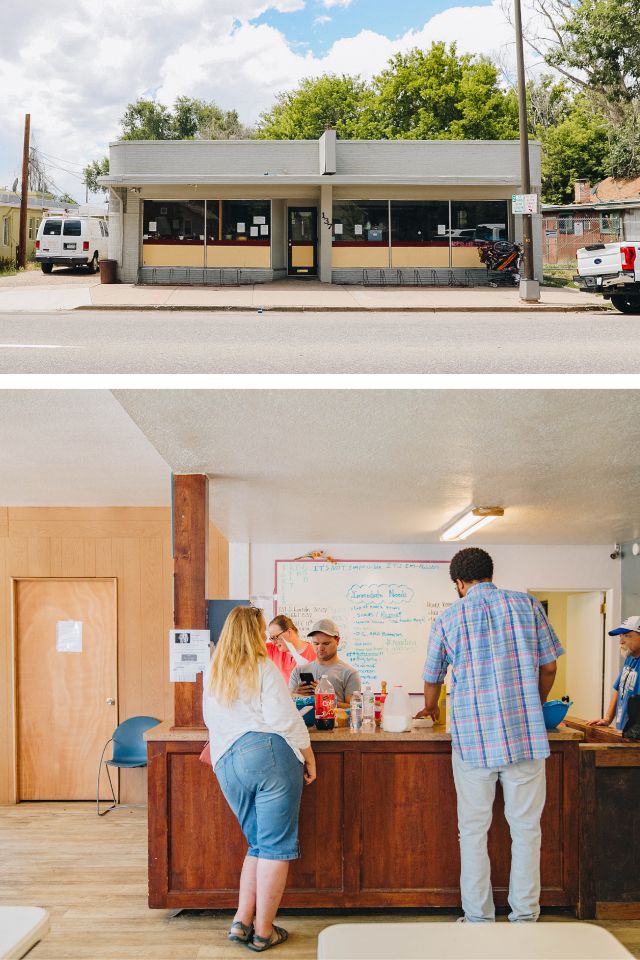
(190,554)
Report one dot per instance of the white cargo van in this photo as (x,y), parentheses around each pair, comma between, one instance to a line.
(66,240)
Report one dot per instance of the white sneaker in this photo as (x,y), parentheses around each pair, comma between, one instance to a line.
(461,920)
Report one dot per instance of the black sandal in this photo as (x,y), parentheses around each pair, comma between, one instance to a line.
(258,944)
(243,935)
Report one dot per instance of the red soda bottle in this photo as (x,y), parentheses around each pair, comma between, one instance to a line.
(325,704)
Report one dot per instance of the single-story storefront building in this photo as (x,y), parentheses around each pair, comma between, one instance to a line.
(342,211)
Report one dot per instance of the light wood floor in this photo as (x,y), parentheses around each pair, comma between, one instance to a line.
(91,874)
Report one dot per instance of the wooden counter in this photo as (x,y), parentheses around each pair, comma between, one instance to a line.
(377,828)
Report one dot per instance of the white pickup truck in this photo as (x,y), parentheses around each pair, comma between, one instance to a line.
(612,269)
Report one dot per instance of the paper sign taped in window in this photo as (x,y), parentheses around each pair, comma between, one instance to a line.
(69,636)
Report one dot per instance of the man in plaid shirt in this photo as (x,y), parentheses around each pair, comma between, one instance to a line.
(503,654)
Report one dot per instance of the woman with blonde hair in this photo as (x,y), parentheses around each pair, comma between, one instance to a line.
(286,648)
(261,754)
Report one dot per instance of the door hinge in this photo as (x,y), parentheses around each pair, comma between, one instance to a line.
(603,608)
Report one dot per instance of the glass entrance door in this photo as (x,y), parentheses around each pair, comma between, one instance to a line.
(303,241)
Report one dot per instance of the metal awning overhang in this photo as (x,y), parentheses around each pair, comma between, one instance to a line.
(131,180)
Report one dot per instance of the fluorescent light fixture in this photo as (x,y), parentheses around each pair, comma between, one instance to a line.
(472,521)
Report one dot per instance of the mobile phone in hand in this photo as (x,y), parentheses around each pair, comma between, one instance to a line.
(307,678)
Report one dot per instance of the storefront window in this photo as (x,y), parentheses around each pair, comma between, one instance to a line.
(361,221)
(478,220)
(420,221)
(175,221)
(246,220)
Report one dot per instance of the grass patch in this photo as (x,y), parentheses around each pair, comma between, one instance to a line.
(558,276)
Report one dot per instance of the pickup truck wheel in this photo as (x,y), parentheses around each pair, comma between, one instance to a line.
(46,267)
(626,304)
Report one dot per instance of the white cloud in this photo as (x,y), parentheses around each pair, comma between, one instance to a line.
(335,3)
(76,66)
(320,21)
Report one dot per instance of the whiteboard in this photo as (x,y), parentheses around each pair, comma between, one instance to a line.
(384,609)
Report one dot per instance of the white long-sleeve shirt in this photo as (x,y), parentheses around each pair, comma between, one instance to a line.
(269,710)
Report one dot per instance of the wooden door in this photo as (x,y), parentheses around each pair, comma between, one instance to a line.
(66,698)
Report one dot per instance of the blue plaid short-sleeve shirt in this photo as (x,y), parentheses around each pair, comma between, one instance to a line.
(496,641)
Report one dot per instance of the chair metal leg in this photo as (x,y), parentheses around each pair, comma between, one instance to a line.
(101,813)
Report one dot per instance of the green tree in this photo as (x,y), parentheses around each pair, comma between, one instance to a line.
(549,103)
(146,120)
(188,119)
(595,44)
(93,170)
(576,148)
(317,102)
(436,94)
(203,119)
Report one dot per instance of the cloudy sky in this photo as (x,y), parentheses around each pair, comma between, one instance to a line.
(75,65)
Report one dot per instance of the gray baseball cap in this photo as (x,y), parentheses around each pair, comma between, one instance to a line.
(325,626)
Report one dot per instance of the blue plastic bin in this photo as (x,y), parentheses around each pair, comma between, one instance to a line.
(554,712)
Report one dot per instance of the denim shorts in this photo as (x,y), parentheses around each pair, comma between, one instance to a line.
(261,779)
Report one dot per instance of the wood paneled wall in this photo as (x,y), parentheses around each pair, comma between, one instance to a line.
(132,544)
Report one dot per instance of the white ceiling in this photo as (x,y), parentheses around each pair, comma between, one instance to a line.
(75,448)
(361,466)
(396,466)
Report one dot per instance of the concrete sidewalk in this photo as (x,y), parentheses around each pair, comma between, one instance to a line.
(33,292)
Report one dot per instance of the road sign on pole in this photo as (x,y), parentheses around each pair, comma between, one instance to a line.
(524,203)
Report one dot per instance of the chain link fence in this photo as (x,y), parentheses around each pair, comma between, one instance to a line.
(564,234)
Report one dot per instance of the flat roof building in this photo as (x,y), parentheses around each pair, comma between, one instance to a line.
(342,211)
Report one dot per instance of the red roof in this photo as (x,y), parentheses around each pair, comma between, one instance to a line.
(611,189)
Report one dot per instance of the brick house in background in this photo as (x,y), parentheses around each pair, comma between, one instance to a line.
(604,213)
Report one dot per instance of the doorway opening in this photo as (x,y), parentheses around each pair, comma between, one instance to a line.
(579,620)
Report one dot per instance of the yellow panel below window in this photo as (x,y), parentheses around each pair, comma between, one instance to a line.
(466,257)
(345,257)
(420,256)
(172,255)
(302,256)
(239,255)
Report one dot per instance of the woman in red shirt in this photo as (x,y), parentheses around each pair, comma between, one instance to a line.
(285,646)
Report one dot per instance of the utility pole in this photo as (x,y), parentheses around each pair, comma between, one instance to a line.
(529,287)
(22,236)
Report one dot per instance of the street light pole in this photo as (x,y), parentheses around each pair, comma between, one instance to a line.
(529,287)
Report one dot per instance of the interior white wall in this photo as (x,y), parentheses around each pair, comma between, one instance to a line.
(521,567)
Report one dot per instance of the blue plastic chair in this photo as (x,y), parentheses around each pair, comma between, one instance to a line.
(129,750)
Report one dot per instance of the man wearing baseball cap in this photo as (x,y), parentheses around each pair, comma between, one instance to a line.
(628,683)
(325,637)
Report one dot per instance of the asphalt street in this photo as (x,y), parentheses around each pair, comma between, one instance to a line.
(182,342)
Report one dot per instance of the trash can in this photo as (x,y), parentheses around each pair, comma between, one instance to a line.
(108,271)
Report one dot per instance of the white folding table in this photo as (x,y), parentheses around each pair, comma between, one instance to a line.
(468,941)
(20,928)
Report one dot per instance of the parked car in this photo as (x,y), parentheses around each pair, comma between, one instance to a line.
(71,241)
(612,269)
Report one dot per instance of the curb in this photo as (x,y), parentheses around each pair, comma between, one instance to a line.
(200,308)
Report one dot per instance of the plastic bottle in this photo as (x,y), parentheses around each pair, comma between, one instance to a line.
(325,704)
(355,716)
(442,703)
(368,710)
(379,702)
(397,711)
